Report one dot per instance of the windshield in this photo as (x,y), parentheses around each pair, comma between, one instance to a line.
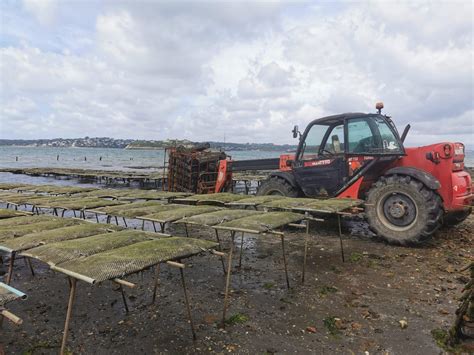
(372,135)
(313,141)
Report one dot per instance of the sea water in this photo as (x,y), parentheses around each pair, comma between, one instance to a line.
(100,158)
(113,158)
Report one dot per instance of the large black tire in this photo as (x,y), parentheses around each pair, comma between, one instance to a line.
(454,218)
(402,210)
(277,186)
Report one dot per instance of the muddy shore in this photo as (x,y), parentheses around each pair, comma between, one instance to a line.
(349,307)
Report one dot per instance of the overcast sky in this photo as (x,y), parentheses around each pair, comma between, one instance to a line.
(249,71)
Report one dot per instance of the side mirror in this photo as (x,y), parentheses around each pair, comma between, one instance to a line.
(295,131)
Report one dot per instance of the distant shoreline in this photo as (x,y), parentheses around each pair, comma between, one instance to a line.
(253,147)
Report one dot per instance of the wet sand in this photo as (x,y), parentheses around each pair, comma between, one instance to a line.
(346,307)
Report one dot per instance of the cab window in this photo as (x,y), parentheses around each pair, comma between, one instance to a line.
(335,141)
(371,136)
(313,141)
(389,142)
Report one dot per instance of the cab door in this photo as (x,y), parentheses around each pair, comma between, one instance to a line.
(320,168)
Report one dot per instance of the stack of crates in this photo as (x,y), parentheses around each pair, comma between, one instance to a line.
(193,169)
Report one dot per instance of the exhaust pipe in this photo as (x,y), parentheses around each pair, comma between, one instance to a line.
(405,132)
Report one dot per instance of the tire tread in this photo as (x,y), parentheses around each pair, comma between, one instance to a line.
(431,199)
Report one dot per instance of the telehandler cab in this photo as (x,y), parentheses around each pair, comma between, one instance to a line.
(409,192)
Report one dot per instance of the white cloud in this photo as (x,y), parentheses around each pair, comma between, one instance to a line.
(43,10)
(249,71)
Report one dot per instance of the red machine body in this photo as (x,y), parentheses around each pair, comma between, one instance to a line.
(445,161)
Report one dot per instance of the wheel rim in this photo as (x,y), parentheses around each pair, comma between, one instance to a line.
(397,211)
(275,193)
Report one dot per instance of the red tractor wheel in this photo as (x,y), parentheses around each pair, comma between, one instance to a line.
(402,210)
(277,186)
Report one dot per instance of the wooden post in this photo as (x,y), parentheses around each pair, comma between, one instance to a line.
(10,316)
(186,299)
(176,264)
(30,266)
(72,294)
(124,283)
(241,249)
(340,236)
(306,236)
(220,248)
(157,282)
(284,260)
(227,282)
(124,299)
(10,267)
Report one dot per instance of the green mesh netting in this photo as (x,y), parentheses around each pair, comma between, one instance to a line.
(331,205)
(70,202)
(32,240)
(101,193)
(19,198)
(255,200)
(12,186)
(47,201)
(261,223)
(126,260)
(18,221)
(130,206)
(178,213)
(217,198)
(54,189)
(56,253)
(79,204)
(21,230)
(4,194)
(213,218)
(287,203)
(138,212)
(134,194)
(152,195)
(42,200)
(4,213)
(136,209)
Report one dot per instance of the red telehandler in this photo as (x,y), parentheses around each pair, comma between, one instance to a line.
(409,192)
